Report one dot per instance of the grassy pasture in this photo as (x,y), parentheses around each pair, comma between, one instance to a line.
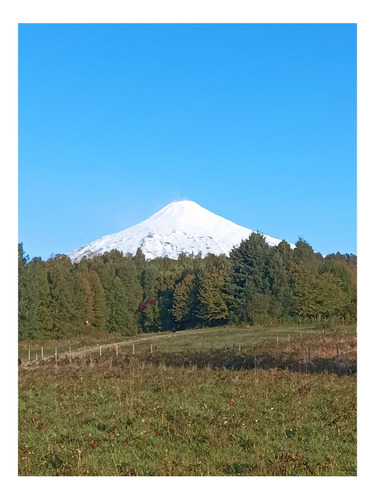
(203,339)
(139,415)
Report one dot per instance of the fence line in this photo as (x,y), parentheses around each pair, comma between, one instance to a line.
(301,353)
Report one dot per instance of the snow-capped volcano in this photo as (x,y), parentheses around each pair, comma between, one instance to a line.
(180,227)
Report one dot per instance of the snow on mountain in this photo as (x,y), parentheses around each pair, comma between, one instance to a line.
(180,227)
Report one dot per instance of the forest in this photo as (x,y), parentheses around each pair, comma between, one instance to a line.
(124,294)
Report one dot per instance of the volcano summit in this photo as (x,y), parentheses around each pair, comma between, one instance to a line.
(180,227)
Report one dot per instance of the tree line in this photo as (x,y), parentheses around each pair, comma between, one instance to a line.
(124,294)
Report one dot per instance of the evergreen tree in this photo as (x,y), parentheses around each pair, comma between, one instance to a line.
(119,320)
(140,263)
(99,302)
(213,287)
(87,305)
(251,278)
(43,320)
(281,286)
(117,293)
(305,282)
(106,273)
(34,314)
(304,254)
(27,301)
(64,310)
(93,302)
(122,290)
(148,280)
(185,301)
(170,272)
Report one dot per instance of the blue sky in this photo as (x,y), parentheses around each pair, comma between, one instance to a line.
(256,123)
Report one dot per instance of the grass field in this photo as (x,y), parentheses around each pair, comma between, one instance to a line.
(204,339)
(145,415)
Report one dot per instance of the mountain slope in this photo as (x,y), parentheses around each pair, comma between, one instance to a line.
(180,227)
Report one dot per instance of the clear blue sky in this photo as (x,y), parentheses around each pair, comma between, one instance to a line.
(256,123)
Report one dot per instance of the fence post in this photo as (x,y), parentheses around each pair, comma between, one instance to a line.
(133,349)
(56,355)
(100,351)
(29,354)
(116,349)
(151,348)
(239,349)
(70,353)
(41,353)
(277,340)
(36,356)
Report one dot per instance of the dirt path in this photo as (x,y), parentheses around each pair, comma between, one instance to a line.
(82,351)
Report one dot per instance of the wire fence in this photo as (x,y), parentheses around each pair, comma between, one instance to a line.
(286,353)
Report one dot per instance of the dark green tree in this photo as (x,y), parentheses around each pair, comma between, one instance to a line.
(305,288)
(63,284)
(304,254)
(43,320)
(27,301)
(282,297)
(123,292)
(93,302)
(120,318)
(213,287)
(251,279)
(34,302)
(185,301)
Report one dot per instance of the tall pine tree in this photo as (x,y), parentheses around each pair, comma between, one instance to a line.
(213,290)
(185,301)
(251,279)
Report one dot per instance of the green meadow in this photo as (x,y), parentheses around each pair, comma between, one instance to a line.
(148,414)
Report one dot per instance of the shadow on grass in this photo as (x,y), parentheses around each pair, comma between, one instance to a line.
(221,359)
(215,360)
